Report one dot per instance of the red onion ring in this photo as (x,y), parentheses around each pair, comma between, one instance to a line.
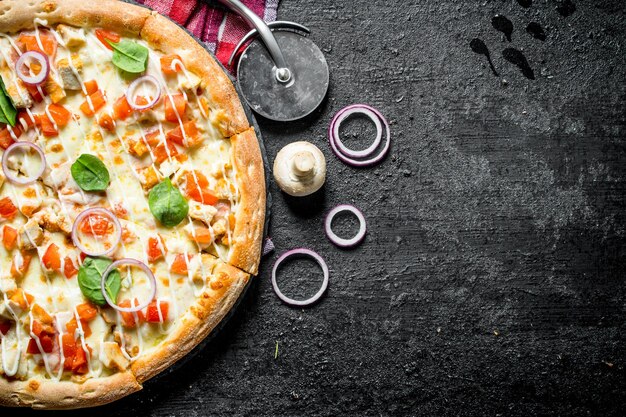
(318,295)
(144,268)
(333,139)
(9,173)
(341,116)
(130,93)
(341,242)
(42,59)
(103,212)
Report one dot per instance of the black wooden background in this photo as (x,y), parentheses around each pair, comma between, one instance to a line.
(491,280)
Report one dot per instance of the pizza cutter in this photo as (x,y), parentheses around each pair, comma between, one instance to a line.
(281,74)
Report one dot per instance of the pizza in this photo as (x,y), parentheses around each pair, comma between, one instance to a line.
(132,199)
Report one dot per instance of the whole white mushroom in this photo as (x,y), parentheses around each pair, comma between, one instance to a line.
(300,169)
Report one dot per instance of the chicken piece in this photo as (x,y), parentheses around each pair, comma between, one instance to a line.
(109,315)
(202,212)
(189,82)
(19,96)
(52,219)
(219,227)
(72,36)
(30,235)
(137,148)
(60,179)
(148,177)
(113,356)
(169,167)
(66,72)
(54,89)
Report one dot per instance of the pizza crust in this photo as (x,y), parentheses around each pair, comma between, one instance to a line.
(38,393)
(248,233)
(210,309)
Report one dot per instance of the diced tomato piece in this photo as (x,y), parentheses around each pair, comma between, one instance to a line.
(46,342)
(97,225)
(60,114)
(166,64)
(19,271)
(86,311)
(52,258)
(161,153)
(34,92)
(103,35)
(79,363)
(97,102)
(197,188)
(175,111)
(191,138)
(201,235)
(47,126)
(26,119)
(121,109)
(155,249)
(91,87)
(21,298)
(42,317)
(179,266)
(7,208)
(72,326)
(6,139)
(152,312)
(142,101)
(9,237)
(5,326)
(69,269)
(29,42)
(128,319)
(106,122)
(69,350)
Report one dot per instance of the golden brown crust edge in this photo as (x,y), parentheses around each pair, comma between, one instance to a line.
(18,15)
(165,35)
(62,395)
(247,236)
(210,309)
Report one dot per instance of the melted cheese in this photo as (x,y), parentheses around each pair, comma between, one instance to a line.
(56,196)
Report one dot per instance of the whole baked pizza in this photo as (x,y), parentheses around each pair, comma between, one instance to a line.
(132,199)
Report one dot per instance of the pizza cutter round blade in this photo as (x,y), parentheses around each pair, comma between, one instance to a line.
(262,87)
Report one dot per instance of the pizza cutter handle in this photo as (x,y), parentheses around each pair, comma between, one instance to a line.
(283,74)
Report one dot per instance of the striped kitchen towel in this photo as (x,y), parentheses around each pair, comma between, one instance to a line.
(220,31)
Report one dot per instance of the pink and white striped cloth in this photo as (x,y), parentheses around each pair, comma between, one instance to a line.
(220,31)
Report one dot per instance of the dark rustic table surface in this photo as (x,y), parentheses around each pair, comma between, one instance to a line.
(491,281)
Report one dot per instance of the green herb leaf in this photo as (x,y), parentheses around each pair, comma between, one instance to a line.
(90,276)
(8,113)
(129,56)
(90,173)
(167,203)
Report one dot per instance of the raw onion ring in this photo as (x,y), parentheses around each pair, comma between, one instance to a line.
(341,116)
(341,242)
(42,59)
(9,173)
(321,263)
(352,161)
(103,212)
(144,268)
(130,93)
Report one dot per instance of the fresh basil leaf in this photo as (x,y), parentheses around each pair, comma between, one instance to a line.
(129,56)
(167,203)
(90,276)
(8,113)
(90,173)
